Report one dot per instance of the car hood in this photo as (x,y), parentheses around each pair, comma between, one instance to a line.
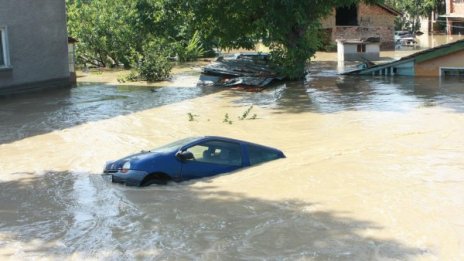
(135,159)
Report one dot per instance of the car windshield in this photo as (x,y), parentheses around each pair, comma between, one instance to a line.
(175,145)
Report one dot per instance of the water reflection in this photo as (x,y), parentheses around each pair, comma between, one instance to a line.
(434,40)
(329,94)
(323,92)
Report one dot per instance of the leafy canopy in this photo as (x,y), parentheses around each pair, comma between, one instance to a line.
(138,34)
(289,27)
(413,9)
(114,32)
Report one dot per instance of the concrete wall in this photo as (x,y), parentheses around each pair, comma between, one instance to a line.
(349,52)
(37,39)
(373,21)
(432,67)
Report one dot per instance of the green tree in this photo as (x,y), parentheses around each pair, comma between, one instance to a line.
(139,34)
(136,34)
(290,28)
(106,29)
(413,9)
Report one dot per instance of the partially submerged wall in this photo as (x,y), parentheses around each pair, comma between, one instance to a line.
(431,68)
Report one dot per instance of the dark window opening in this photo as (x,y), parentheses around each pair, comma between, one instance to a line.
(452,72)
(347,16)
(361,48)
(457,28)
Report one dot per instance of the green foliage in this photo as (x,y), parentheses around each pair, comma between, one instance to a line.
(143,33)
(105,30)
(138,34)
(227,119)
(246,113)
(153,64)
(326,43)
(288,28)
(193,49)
(121,79)
(191,116)
(133,76)
(412,10)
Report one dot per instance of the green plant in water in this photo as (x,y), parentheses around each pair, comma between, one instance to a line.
(227,119)
(246,113)
(191,116)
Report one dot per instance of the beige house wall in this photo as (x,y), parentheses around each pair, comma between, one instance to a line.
(457,7)
(455,15)
(431,68)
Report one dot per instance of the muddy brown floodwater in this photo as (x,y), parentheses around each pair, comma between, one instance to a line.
(374,171)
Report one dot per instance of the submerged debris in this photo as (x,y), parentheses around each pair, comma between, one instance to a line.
(242,70)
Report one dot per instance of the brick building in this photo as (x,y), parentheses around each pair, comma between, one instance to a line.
(454,16)
(361,22)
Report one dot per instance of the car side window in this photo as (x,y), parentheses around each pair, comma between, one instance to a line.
(260,154)
(217,152)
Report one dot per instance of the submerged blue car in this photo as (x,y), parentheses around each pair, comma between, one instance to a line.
(189,158)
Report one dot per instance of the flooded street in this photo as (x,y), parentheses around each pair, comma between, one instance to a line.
(374,171)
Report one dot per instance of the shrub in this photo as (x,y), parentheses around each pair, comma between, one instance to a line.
(154,64)
(193,49)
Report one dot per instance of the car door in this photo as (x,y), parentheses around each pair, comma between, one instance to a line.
(211,158)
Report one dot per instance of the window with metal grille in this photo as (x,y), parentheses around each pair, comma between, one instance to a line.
(361,48)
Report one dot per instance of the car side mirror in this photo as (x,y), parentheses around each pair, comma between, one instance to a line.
(184,155)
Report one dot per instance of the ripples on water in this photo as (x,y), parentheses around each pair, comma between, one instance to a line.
(330,94)
(322,93)
(79,215)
